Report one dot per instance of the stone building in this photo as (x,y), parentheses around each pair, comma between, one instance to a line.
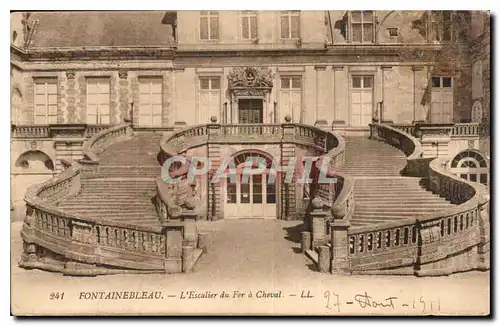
(101,100)
(76,73)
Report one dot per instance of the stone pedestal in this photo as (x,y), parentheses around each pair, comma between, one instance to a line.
(324,259)
(305,243)
(340,246)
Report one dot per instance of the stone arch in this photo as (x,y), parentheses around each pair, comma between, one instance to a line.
(471,165)
(34,161)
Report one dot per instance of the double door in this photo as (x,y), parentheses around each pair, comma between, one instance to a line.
(251,196)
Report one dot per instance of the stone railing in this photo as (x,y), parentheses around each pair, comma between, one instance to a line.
(456,239)
(191,137)
(100,141)
(30,131)
(319,142)
(407,128)
(87,244)
(416,164)
(469,130)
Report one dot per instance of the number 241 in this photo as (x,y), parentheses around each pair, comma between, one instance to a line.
(56,295)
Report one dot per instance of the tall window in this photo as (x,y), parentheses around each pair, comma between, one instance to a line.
(150,101)
(441,26)
(290,24)
(249,25)
(442,100)
(210,98)
(98,100)
(45,100)
(209,25)
(290,97)
(361,26)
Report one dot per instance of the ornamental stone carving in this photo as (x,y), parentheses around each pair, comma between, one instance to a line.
(250,77)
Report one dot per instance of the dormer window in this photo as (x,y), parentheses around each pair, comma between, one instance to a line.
(209,25)
(361,26)
(441,26)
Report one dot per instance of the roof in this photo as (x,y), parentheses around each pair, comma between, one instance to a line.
(101,28)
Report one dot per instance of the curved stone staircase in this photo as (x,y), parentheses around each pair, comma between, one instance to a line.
(125,185)
(381,193)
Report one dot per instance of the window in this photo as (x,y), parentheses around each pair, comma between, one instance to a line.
(441,26)
(362,82)
(442,100)
(248,25)
(45,100)
(98,100)
(290,24)
(290,97)
(470,165)
(209,25)
(210,98)
(150,101)
(361,26)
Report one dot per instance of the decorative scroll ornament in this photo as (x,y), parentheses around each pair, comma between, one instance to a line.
(250,77)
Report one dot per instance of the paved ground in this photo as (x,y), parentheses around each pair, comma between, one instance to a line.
(248,256)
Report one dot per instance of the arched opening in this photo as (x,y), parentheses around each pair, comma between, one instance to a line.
(249,191)
(471,165)
(34,162)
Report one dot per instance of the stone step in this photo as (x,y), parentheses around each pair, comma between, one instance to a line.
(396,201)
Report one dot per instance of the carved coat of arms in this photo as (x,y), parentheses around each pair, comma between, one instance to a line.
(250,77)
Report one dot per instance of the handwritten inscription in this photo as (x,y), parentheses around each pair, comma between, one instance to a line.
(367,301)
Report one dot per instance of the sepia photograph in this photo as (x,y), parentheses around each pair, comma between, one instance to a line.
(250,163)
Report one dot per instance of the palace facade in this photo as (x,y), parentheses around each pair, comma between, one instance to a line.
(101,99)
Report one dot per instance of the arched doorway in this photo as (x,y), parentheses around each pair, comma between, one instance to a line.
(251,193)
(471,165)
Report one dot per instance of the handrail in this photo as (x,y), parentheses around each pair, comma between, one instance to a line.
(457,221)
(331,144)
(50,226)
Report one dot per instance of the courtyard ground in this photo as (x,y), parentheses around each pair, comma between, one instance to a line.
(250,261)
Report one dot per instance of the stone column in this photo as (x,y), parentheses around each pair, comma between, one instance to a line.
(305,243)
(321,88)
(340,246)
(483,249)
(336,94)
(382,109)
(288,194)
(416,93)
(324,259)
(318,227)
(173,252)
(71,97)
(214,211)
(123,96)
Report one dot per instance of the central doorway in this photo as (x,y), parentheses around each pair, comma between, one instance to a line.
(250,111)
(253,194)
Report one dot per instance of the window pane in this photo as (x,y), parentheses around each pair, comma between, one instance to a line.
(367,82)
(435,32)
(215,83)
(40,99)
(446,32)
(367,33)
(245,28)
(204,28)
(271,193)
(204,83)
(367,16)
(214,28)
(52,99)
(463,176)
(483,178)
(245,193)
(356,16)
(356,32)
(284,27)
(285,82)
(436,81)
(253,26)
(446,81)
(295,26)
(296,82)
(356,82)
(473,177)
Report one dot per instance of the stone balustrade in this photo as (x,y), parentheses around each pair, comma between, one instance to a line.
(456,239)
(58,241)
(30,131)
